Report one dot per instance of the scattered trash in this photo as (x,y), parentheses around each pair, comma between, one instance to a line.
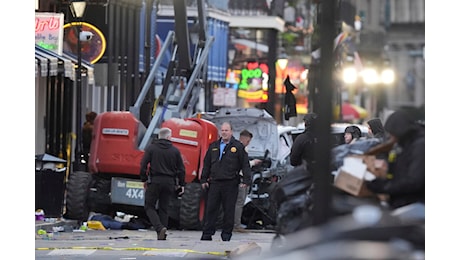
(84,226)
(58,229)
(95,224)
(41,232)
(251,248)
(51,220)
(39,215)
(125,237)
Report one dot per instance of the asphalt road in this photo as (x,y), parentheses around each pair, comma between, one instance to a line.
(140,244)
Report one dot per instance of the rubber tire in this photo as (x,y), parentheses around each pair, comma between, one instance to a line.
(189,214)
(77,192)
(98,199)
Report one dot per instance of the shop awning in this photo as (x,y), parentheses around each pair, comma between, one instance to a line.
(88,66)
(50,62)
(250,44)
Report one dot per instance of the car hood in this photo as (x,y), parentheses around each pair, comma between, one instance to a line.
(258,121)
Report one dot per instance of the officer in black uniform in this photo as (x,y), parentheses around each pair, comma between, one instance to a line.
(222,163)
(302,150)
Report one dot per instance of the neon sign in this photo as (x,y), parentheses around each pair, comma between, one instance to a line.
(254,82)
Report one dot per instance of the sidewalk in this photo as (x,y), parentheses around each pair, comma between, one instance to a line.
(49,223)
(142,242)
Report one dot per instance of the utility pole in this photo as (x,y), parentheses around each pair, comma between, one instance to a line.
(321,169)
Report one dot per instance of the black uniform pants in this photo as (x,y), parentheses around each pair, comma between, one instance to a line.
(161,193)
(221,193)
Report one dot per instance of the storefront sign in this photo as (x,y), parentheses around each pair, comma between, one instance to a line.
(49,31)
(254,82)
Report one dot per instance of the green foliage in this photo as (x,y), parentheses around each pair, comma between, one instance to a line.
(289,38)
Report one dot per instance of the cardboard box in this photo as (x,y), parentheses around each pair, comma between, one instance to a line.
(351,176)
(377,167)
(351,184)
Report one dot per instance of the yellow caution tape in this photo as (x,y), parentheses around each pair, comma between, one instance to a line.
(135,249)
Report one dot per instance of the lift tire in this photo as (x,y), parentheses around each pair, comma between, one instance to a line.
(76,198)
(190,207)
(98,199)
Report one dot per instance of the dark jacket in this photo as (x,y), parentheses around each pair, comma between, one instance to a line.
(290,102)
(378,132)
(234,158)
(303,148)
(165,163)
(408,182)
(87,132)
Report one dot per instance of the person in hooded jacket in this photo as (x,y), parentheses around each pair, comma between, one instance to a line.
(165,167)
(376,129)
(303,147)
(407,184)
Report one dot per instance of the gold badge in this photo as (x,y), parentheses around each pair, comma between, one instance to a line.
(233,149)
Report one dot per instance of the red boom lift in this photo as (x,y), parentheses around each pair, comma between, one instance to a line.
(119,137)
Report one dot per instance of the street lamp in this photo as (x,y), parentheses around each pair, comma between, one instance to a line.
(77,8)
(350,75)
(387,76)
(282,63)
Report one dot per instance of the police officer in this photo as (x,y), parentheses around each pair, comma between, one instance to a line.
(222,163)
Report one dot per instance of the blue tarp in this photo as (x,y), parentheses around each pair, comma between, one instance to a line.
(217,60)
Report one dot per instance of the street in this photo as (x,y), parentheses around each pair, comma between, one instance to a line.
(140,244)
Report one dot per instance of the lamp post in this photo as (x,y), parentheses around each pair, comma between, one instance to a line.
(282,62)
(77,8)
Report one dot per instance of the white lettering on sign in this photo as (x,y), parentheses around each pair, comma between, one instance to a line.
(183,141)
(115,131)
(135,193)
